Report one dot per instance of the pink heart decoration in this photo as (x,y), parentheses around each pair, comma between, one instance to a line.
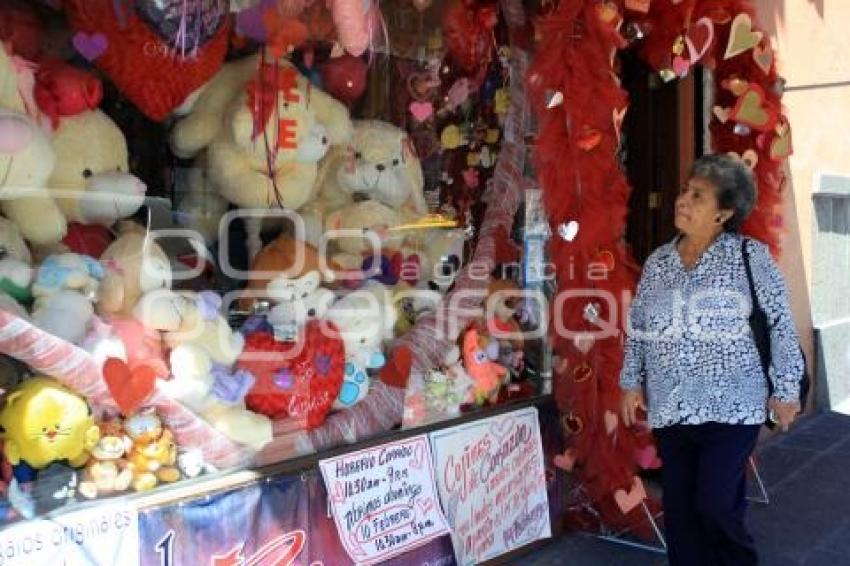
(421,111)
(681,66)
(627,501)
(583,342)
(566,461)
(90,45)
(647,458)
(15,134)
(699,39)
(611,421)
(722,114)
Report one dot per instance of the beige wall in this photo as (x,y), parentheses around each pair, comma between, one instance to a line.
(812,40)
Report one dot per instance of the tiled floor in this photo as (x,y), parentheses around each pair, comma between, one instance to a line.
(807,523)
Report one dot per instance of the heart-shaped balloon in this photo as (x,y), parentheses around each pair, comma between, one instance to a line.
(300,379)
(183,24)
(130,389)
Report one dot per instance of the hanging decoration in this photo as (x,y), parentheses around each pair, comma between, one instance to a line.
(576,92)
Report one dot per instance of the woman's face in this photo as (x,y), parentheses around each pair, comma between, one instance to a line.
(697,209)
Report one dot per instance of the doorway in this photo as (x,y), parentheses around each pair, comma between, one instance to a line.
(662,133)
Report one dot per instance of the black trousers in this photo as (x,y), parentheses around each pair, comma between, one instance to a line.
(704,480)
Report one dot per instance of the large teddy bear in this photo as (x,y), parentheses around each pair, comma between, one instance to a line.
(204,350)
(27,160)
(91,182)
(379,164)
(264,128)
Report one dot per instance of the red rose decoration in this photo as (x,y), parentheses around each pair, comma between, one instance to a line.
(301,383)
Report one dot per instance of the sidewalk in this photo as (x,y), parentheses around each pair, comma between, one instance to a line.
(807,522)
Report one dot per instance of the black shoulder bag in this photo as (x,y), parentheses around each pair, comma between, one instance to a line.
(761,335)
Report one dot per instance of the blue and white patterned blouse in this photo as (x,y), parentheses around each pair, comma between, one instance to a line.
(689,339)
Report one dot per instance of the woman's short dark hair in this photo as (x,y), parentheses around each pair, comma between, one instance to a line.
(735,187)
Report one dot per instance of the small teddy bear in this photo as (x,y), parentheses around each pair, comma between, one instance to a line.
(65,289)
(153,454)
(297,301)
(108,470)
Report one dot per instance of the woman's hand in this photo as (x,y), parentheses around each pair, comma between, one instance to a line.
(631,401)
(783,413)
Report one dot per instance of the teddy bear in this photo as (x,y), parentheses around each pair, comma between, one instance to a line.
(153,452)
(65,288)
(253,119)
(27,159)
(297,300)
(203,351)
(133,264)
(107,470)
(449,386)
(365,318)
(90,182)
(284,258)
(378,163)
(43,422)
(16,271)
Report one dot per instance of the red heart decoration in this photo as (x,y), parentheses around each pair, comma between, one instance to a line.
(396,371)
(142,65)
(298,379)
(129,389)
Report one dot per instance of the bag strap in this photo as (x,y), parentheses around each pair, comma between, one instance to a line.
(746,253)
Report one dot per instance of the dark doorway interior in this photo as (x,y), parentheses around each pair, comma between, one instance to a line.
(662,135)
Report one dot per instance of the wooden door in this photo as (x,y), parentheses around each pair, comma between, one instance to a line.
(662,135)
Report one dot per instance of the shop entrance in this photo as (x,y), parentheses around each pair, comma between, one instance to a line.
(663,133)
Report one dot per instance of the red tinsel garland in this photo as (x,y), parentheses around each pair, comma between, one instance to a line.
(577,96)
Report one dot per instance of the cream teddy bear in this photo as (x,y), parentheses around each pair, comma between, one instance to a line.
(26,159)
(298,299)
(377,164)
(91,182)
(264,128)
(203,351)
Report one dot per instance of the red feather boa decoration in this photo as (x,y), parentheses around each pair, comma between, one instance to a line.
(577,168)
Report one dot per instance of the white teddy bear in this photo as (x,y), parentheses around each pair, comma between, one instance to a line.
(203,352)
(365,319)
(297,301)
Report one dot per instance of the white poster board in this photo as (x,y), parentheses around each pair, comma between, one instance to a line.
(383,499)
(103,535)
(492,483)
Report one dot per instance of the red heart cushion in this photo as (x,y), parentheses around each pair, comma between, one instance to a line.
(303,381)
(130,389)
(143,66)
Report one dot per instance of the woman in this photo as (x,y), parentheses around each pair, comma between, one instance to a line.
(690,347)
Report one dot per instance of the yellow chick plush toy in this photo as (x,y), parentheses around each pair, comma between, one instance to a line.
(43,422)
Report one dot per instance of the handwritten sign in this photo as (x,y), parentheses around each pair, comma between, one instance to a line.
(102,535)
(491,479)
(383,499)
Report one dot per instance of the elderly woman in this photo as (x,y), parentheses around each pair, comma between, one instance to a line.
(690,347)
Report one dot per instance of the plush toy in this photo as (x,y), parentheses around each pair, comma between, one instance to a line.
(153,453)
(107,470)
(127,339)
(443,259)
(449,386)
(65,288)
(16,273)
(411,304)
(27,160)
(365,318)
(360,229)
(299,380)
(379,164)
(503,297)
(191,463)
(91,182)
(297,301)
(477,359)
(133,265)
(157,53)
(283,258)
(203,349)
(254,134)
(44,422)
